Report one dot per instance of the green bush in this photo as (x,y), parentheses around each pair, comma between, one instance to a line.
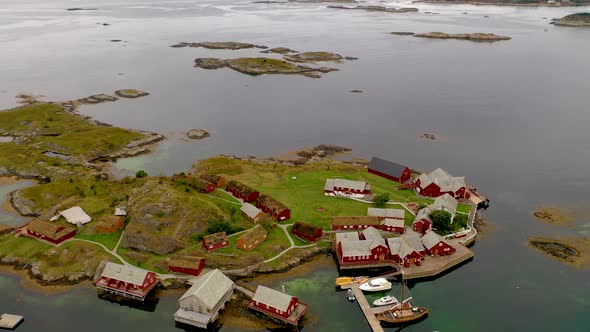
(141,174)
(460,220)
(381,200)
(441,221)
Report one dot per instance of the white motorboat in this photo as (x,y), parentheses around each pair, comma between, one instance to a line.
(386,300)
(375,285)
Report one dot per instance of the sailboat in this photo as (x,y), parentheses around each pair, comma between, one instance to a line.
(403,313)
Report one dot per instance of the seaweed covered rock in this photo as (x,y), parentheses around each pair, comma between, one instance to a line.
(279,50)
(574,20)
(197,134)
(219,45)
(209,63)
(314,57)
(478,36)
(131,93)
(260,66)
(377,9)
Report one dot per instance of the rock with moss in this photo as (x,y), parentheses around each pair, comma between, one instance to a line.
(378,9)
(402,33)
(219,45)
(260,66)
(571,251)
(477,37)
(131,93)
(574,20)
(209,63)
(279,50)
(314,57)
(97,99)
(197,134)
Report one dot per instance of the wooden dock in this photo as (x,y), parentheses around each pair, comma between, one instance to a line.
(431,266)
(10,322)
(365,307)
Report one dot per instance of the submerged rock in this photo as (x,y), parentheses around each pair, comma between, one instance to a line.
(402,33)
(571,251)
(209,63)
(484,37)
(377,9)
(279,50)
(220,45)
(131,93)
(574,20)
(429,136)
(79,9)
(553,215)
(97,99)
(314,57)
(197,134)
(356,91)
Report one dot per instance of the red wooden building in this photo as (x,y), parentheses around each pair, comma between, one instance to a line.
(215,241)
(422,222)
(342,187)
(353,248)
(217,180)
(393,225)
(252,238)
(278,305)
(47,232)
(435,245)
(273,207)
(389,170)
(403,252)
(201,185)
(187,265)
(356,222)
(242,191)
(307,232)
(127,281)
(439,182)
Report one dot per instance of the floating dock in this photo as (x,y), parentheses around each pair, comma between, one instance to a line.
(10,322)
(365,307)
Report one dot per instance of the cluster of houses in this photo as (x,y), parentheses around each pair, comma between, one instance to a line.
(262,203)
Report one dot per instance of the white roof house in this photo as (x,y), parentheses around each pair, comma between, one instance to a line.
(354,248)
(272,298)
(442,179)
(386,213)
(74,215)
(202,302)
(346,184)
(446,203)
(251,211)
(399,246)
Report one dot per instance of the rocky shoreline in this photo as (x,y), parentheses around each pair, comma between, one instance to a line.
(501,3)
(573,20)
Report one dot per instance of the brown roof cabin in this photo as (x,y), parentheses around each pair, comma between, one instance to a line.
(252,238)
(186,264)
(358,222)
(200,185)
(306,231)
(215,241)
(217,180)
(109,224)
(47,232)
(242,191)
(273,207)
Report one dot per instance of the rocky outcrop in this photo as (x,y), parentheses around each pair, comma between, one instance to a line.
(573,20)
(133,148)
(131,93)
(197,134)
(313,57)
(377,9)
(571,251)
(22,205)
(321,1)
(97,99)
(477,37)
(429,136)
(80,9)
(139,238)
(261,66)
(219,45)
(322,151)
(402,33)
(279,50)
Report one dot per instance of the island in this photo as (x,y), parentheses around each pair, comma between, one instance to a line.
(573,20)
(260,66)
(477,37)
(376,9)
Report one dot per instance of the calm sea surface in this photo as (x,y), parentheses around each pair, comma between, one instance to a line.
(513,117)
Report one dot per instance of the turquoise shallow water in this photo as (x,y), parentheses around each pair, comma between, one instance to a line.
(512,117)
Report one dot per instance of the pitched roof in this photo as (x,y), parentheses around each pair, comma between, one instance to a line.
(210,288)
(372,233)
(423,213)
(386,167)
(215,238)
(355,220)
(244,189)
(442,179)
(393,222)
(446,202)
(128,274)
(386,213)
(400,246)
(253,234)
(52,231)
(343,183)
(430,239)
(414,241)
(271,203)
(190,262)
(305,228)
(272,298)
(356,248)
(250,210)
(213,178)
(347,236)
(74,215)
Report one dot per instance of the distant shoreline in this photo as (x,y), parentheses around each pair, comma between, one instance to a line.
(503,4)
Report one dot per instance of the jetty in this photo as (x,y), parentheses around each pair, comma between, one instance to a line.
(370,315)
(433,266)
(10,322)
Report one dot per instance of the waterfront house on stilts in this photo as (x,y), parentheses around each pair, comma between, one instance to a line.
(280,306)
(127,281)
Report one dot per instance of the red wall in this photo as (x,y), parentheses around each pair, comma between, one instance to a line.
(439,249)
(192,271)
(313,238)
(216,246)
(58,241)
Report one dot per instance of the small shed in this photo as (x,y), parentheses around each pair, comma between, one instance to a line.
(252,238)
(186,264)
(74,215)
(242,191)
(217,180)
(389,170)
(273,207)
(393,225)
(251,212)
(215,241)
(307,231)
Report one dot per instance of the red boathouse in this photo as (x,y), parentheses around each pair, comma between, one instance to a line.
(127,281)
(278,305)
(389,170)
(242,191)
(187,265)
(47,232)
(307,232)
(273,207)
(435,245)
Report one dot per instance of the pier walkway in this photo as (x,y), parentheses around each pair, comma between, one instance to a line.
(365,307)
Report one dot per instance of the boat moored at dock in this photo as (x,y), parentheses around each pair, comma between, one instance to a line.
(376,285)
(386,300)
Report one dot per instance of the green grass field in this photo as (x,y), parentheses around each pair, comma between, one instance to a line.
(108,240)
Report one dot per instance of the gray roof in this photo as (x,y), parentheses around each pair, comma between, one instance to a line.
(372,233)
(272,298)
(399,246)
(342,183)
(250,210)
(128,274)
(356,248)
(386,167)
(211,288)
(386,213)
(414,241)
(430,239)
(347,236)
(423,214)
(393,222)
(442,179)
(445,202)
